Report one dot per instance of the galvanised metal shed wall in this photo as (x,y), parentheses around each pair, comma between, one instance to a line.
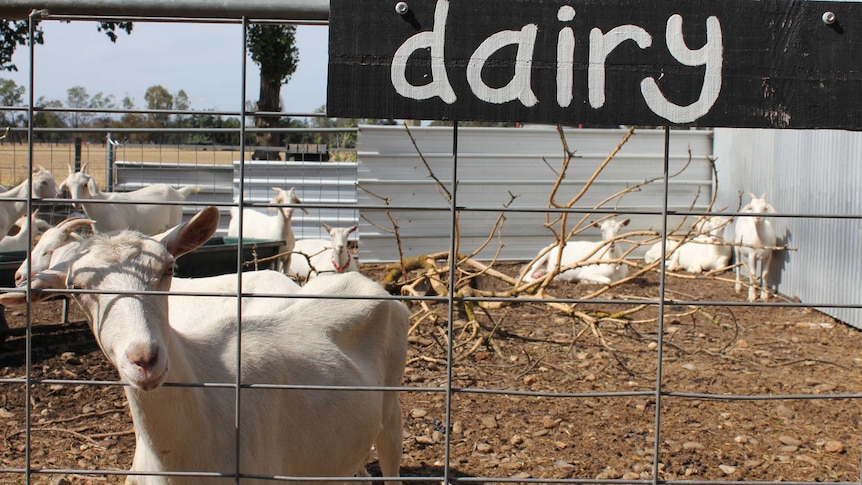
(806,174)
(496,163)
(331,186)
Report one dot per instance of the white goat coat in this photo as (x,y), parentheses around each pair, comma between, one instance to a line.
(704,252)
(329,342)
(320,342)
(584,251)
(754,238)
(41,184)
(277,227)
(187,308)
(315,256)
(149,219)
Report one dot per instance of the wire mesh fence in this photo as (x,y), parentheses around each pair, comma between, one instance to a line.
(657,376)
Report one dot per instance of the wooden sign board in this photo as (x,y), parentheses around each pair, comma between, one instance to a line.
(733,63)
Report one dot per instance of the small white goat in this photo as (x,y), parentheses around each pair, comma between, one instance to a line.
(576,252)
(258,225)
(56,244)
(358,340)
(703,252)
(18,241)
(754,240)
(147,218)
(41,185)
(315,256)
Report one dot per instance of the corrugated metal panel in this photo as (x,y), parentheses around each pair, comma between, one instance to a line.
(496,163)
(804,173)
(323,183)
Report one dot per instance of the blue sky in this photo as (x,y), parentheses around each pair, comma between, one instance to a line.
(202,59)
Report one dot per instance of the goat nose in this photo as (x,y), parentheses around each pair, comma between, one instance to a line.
(143,355)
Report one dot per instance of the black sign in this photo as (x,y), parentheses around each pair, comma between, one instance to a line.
(736,63)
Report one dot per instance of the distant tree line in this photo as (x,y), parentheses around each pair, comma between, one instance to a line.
(155,98)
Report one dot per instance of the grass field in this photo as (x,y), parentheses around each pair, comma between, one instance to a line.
(57,157)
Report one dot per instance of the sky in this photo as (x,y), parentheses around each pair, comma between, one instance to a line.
(204,60)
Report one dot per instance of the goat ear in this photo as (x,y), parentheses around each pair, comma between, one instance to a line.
(92,187)
(295,200)
(625,222)
(352,228)
(186,237)
(326,226)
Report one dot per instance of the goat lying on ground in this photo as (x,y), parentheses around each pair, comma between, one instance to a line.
(704,252)
(754,240)
(147,218)
(581,251)
(314,256)
(317,342)
(258,225)
(41,185)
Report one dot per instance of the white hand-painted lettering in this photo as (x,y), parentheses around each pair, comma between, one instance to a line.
(519,86)
(435,40)
(710,55)
(565,57)
(601,45)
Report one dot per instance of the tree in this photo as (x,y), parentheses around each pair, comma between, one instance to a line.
(272,48)
(49,119)
(157,97)
(14,33)
(10,95)
(182,103)
(77,98)
(102,102)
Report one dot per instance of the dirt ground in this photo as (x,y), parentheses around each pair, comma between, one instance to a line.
(550,425)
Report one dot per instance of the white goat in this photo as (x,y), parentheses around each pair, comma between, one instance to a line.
(258,225)
(61,243)
(754,240)
(358,340)
(147,218)
(580,251)
(41,185)
(315,256)
(19,240)
(703,252)
(56,244)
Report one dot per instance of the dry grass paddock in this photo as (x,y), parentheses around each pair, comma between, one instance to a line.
(56,156)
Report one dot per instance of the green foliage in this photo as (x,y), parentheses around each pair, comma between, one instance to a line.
(14,33)
(273,48)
